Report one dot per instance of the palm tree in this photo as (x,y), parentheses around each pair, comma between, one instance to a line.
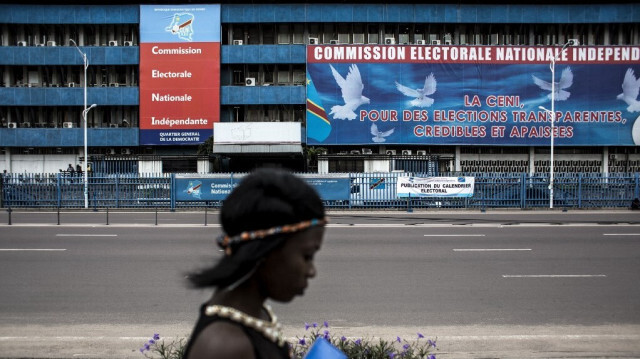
(311,154)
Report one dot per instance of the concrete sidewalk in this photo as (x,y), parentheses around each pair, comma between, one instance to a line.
(506,342)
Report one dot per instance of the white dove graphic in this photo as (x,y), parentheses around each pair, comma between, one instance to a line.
(630,89)
(379,136)
(351,94)
(420,94)
(566,80)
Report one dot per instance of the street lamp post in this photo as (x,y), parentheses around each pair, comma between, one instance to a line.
(85,111)
(552,112)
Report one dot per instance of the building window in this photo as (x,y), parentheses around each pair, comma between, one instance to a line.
(337,165)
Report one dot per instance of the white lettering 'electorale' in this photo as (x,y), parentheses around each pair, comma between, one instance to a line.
(170,98)
(156,50)
(169,74)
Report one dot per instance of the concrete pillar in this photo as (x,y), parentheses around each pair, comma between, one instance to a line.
(204,166)
(7,159)
(532,160)
(149,166)
(532,36)
(323,166)
(457,167)
(605,160)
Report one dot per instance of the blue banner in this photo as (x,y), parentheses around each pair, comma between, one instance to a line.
(202,188)
(208,188)
(331,189)
(379,95)
(179,23)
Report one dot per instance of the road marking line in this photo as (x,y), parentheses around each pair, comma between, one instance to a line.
(621,234)
(554,276)
(31,249)
(454,235)
(86,235)
(75,338)
(490,249)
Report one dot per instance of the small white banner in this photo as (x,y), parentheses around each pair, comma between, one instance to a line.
(435,186)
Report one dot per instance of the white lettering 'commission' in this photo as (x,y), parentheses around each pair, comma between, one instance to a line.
(179,51)
(178,121)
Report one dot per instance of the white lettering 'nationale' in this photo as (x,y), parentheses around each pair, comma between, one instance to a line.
(170,98)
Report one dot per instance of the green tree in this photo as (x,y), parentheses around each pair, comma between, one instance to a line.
(311,154)
(206,147)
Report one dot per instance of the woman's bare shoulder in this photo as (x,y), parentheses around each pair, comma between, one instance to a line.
(222,340)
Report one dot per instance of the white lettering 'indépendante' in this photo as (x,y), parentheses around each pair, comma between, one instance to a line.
(169,74)
(156,50)
(178,121)
(169,98)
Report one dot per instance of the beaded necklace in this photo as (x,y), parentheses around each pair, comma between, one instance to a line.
(271,330)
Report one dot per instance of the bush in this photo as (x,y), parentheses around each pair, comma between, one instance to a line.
(419,348)
(366,348)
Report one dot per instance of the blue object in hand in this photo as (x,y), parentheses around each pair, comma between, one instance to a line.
(322,349)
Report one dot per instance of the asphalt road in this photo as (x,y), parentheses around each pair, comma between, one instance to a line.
(509,284)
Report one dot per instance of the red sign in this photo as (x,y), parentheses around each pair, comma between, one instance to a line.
(179,89)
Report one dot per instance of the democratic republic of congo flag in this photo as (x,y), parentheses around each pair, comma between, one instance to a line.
(318,125)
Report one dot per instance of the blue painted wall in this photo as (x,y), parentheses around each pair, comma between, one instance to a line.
(68,55)
(69,14)
(68,96)
(426,13)
(255,13)
(248,95)
(264,54)
(68,137)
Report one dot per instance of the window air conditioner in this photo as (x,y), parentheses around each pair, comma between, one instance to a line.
(12,125)
(313,41)
(389,40)
(113,125)
(237,42)
(39,45)
(612,157)
(26,125)
(334,42)
(250,81)
(390,152)
(51,43)
(421,42)
(114,84)
(125,151)
(354,152)
(67,125)
(113,43)
(421,152)
(128,43)
(447,42)
(435,42)
(71,84)
(22,43)
(406,152)
(367,151)
(573,42)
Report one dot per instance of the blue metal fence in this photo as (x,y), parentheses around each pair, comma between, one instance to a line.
(368,190)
